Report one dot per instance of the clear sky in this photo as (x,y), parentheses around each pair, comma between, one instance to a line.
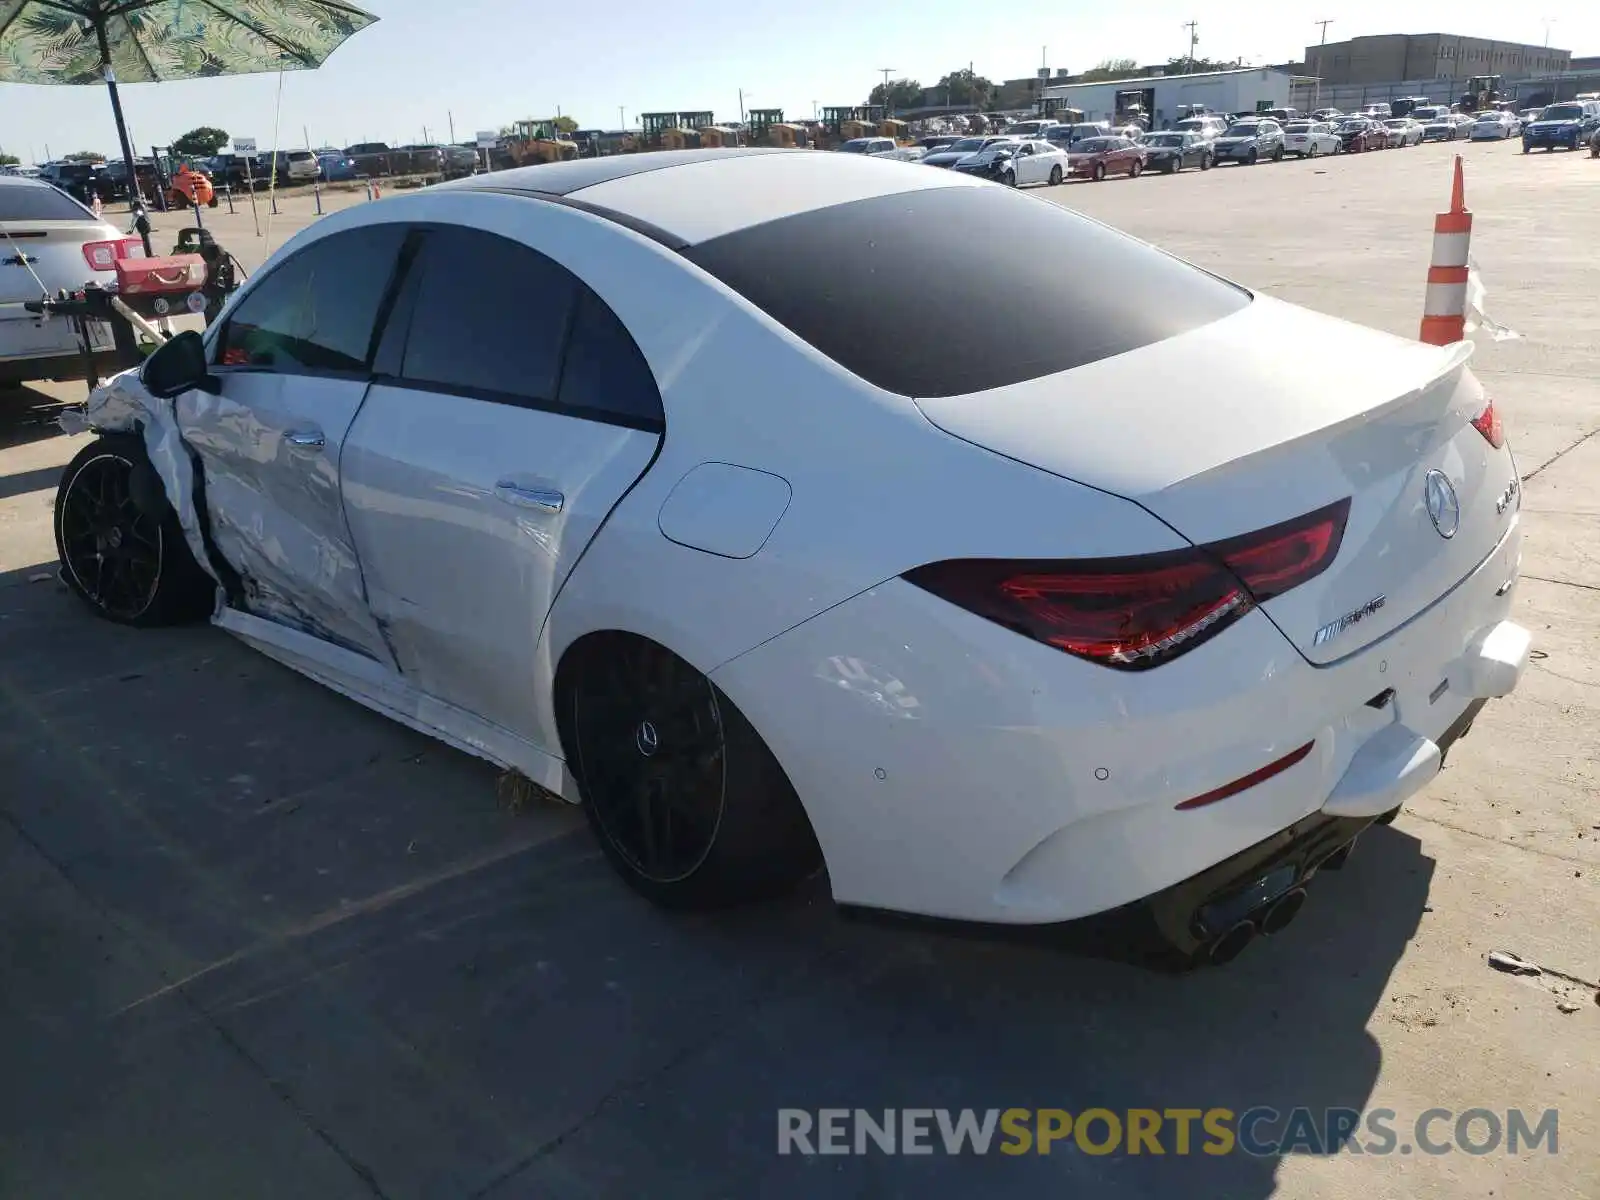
(488,62)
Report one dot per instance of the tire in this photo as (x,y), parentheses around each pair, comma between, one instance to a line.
(1313,152)
(112,515)
(688,804)
(1009,179)
(1252,158)
(1055,176)
(1206,162)
(1277,154)
(1099,172)
(1169,168)
(1527,149)
(1135,169)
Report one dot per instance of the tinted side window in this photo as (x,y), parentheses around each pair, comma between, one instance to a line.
(851,278)
(316,311)
(27,202)
(490,317)
(604,374)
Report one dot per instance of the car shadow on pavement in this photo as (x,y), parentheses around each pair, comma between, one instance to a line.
(27,415)
(294,945)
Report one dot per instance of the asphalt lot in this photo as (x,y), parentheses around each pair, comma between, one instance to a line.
(260,942)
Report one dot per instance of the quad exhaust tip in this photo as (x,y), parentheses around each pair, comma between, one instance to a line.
(1232,944)
(1276,919)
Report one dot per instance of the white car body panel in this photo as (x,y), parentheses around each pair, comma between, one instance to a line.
(507,498)
(1301,142)
(949,765)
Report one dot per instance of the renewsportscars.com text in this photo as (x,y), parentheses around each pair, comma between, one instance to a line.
(1261,1131)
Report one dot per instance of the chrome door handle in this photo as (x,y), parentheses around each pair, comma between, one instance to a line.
(524,497)
(309,439)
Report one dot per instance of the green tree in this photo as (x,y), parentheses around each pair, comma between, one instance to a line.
(900,94)
(1110,68)
(1184,65)
(9,160)
(201,143)
(84,156)
(566,125)
(967,87)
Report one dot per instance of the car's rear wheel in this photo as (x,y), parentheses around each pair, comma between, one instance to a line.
(1252,158)
(1135,168)
(1277,154)
(1009,179)
(122,549)
(1313,151)
(1055,176)
(687,802)
(1099,172)
(1205,162)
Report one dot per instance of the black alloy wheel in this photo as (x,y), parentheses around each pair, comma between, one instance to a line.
(652,756)
(110,548)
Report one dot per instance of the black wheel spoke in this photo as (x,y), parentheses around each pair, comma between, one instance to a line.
(650,751)
(112,549)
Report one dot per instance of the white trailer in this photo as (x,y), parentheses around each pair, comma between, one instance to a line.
(1226,92)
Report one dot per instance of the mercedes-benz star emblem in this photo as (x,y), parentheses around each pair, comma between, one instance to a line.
(647,739)
(1444,510)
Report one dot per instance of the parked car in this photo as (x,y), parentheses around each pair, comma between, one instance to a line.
(939,141)
(241,172)
(1362,133)
(1032,130)
(452,162)
(1566,124)
(55,242)
(1441,128)
(83,181)
(867,145)
(1209,126)
(1172,150)
(444,507)
(1068,136)
(1425,113)
(1328,115)
(1403,132)
(377,160)
(336,167)
(1248,142)
(1491,126)
(1095,158)
(1310,139)
(1018,162)
(903,154)
(960,148)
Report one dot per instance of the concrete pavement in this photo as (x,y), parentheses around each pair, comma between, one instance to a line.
(259,941)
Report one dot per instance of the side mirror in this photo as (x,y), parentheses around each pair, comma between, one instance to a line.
(177,366)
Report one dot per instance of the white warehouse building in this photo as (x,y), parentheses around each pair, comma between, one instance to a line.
(1243,90)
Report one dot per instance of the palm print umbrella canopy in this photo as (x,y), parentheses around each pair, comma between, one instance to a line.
(147,41)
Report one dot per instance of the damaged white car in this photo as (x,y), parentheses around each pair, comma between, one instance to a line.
(617,472)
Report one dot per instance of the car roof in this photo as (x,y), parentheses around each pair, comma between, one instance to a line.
(683,197)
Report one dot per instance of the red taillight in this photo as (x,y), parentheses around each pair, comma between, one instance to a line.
(1138,612)
(103,256)
(1488,423)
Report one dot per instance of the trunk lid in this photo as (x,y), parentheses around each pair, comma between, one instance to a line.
(1266,415)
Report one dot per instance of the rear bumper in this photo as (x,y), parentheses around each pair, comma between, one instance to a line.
(953,769)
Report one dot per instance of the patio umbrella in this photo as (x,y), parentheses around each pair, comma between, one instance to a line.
(150,41)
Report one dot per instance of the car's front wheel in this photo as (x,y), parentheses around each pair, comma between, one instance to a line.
(1009,179)
(1099,172)
(1277,154)
(1313,151)
(688,804)
(1252,158)
(1135,168)
(1205,162)
(122,549)
(1055,176)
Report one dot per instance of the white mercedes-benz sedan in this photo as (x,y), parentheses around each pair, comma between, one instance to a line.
(623,473)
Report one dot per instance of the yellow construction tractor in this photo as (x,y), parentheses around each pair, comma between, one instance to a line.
(898,130)
(531,142)
(715,136)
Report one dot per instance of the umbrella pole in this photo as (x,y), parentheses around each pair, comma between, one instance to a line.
(122,128)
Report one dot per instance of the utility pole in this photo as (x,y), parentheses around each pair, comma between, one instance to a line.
(888,108)
(622,119)
(1194,37)
(452,119)
(1316,102)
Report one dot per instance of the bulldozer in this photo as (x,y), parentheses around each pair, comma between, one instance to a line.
(841,123)
(1482,94)
(531,142)
(900,131)
(673,130)
(716,136)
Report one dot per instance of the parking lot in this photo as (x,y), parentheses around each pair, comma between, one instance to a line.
(261,942)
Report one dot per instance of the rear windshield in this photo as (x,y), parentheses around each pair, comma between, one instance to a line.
(857,279)
(38,202)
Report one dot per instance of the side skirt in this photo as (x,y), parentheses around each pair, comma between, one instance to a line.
(369,682)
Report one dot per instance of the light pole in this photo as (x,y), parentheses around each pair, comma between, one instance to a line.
(888,108)
(1316,103)
(622,118)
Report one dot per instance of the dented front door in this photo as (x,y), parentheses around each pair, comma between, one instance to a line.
(292,363)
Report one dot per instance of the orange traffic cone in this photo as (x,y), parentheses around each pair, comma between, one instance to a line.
(377,192)
(1444,309)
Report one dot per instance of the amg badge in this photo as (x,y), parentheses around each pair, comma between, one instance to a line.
(1334,628)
